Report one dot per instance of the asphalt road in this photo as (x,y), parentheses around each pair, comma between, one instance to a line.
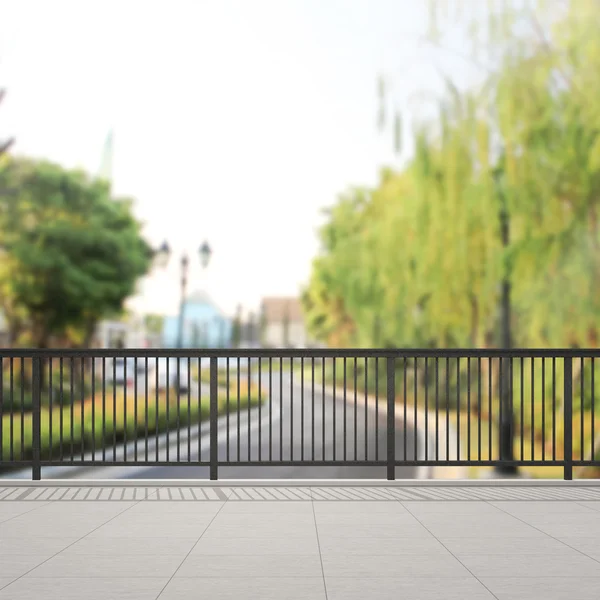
(281,429)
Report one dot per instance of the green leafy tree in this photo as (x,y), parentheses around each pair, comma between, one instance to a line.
(330,299)
(16,324)
(492,225)
(539,109)
(73,254)
(502,188)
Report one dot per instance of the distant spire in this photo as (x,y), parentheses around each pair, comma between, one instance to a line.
(107,159)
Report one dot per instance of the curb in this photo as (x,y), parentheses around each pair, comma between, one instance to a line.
(292,483)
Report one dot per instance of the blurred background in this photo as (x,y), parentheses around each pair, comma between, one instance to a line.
(300,173)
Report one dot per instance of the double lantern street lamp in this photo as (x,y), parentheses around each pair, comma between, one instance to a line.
(162,256)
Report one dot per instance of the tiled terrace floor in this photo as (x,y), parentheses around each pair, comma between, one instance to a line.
(315,542)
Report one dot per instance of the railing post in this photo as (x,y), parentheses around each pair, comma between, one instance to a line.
(568,418)
(506,421)
(391,418)
(214,409)
(36,419)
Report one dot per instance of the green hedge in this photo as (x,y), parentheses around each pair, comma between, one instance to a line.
(22,399)
(91,433)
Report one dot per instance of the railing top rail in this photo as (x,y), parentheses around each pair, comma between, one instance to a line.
(299,352)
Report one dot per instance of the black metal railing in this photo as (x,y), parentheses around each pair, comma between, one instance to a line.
(338,408)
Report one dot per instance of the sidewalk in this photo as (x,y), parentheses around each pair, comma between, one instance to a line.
(313,541)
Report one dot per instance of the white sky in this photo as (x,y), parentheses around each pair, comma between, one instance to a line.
(234,121)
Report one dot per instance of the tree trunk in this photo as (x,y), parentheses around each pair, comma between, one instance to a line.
(41,337)
(90,330)
(486,372)
(78,380)
(592,333)
(13,334)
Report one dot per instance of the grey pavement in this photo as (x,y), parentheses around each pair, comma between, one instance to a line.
(265,433)
(299,542)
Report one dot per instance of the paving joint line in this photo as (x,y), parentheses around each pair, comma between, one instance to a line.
(72,544)
(190,551)
(547,534)
(590,507)
(25,513)
(448,550)
(312,502)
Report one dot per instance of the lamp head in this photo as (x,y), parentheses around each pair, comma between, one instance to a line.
(205,254)
(161,256)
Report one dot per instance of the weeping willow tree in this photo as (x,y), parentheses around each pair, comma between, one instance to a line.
(544,121)
(458,227)
(563,171)
(423,253)
(496,215)
(403,253)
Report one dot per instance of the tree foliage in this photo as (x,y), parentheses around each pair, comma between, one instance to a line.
(422,252)
(72,254)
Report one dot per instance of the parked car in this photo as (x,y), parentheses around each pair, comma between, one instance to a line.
(177,377)
(121,371)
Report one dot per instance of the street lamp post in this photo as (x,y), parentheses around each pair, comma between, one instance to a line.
(184,271)
(162,256)
(507,420)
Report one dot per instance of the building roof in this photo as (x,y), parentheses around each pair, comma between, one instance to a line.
(275,309)
(200,297)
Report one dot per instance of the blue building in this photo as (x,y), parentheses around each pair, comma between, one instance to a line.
(204,325)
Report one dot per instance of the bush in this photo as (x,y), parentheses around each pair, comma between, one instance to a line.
(18,400)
